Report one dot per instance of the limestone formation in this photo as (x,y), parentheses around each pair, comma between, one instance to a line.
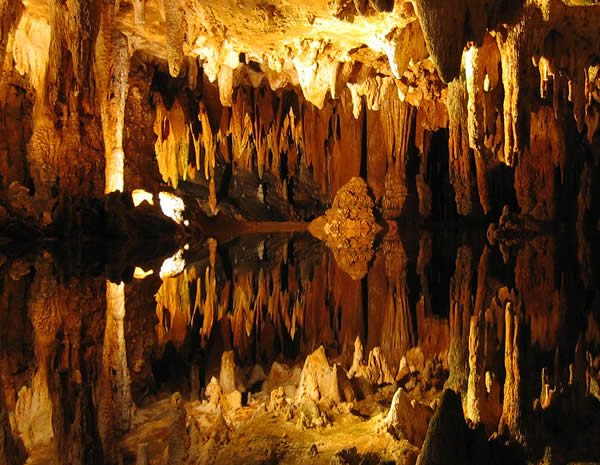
(446,432)
(375,371)
(512,404)
(231,377)
(320,381)
(349,228)
(407,419)
(425,115)
(178,439)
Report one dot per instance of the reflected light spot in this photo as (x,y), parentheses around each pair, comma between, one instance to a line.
(139,273)
(173,265)
(139,195)
(486,83)
(172,206)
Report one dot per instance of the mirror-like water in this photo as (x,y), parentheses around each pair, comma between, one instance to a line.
(89,365)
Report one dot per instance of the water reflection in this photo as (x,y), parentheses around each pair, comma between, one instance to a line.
(514,331)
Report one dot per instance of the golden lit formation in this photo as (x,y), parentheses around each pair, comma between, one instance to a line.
(339,232)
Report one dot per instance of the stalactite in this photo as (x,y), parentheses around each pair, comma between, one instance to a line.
(209,142)
(315,136)
(242,130)
(175,22)
(484,124)
(535,184)
(345,150)
(112,71)
(462,176)
(511,44)
(172,143)
(139,11)
(10,15)
(80,41)
(397,119)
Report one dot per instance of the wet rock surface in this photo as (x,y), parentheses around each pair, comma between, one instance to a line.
(363,405)
(349,227)
(218,336)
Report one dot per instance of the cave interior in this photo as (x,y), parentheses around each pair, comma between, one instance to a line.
(339,232)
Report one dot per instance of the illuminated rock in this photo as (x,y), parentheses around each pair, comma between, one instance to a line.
(349,228)
(231,377)
(407,419)
(320,381)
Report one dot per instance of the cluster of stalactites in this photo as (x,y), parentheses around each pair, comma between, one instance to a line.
(246,301)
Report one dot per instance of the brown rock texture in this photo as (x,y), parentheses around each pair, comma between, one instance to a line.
(349,227)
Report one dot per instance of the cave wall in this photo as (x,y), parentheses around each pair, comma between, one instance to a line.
(92,94)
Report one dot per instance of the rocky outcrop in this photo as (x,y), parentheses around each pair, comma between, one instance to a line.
(375,371)
(446,432)
(349,228)
(320,381)
(407,419)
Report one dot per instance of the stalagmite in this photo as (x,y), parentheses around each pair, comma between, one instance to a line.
(178,438)
(231,378)
(142,454)
(9,453)
(407,419)
(320,381)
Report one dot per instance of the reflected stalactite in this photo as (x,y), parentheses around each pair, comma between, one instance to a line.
(76,437)
(115,402)
(398,331)
(482,404)
(346,294)
(173,309)
(74,421)
(33,410)
(512,404)
(584,206)
(542,293)
(433,332)
(461,309)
